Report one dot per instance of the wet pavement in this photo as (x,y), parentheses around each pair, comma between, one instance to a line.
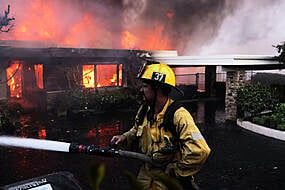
(239,159)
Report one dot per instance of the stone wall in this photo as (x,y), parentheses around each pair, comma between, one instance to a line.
(235,79)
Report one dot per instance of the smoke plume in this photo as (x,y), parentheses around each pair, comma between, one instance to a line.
(253,28)
(190,26)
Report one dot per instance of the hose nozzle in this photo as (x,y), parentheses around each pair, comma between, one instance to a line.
(93,150)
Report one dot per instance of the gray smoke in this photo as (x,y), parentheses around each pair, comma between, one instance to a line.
(253,29)
(189,24)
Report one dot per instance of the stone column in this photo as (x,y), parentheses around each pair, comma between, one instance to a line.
(235,79)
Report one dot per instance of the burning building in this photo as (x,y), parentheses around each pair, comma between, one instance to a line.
(52,38)
(31,75)
(55,46)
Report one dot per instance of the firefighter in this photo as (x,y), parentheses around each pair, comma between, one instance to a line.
(175,141)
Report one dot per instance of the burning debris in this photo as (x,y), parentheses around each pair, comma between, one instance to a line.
(5,21)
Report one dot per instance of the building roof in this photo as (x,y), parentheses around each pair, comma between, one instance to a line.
(17,50)
(25,49)
(222,60)
(226,61)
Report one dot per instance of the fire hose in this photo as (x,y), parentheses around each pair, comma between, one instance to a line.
(111,152)
(65,180)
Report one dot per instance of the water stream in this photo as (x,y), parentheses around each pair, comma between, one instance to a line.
(34,143)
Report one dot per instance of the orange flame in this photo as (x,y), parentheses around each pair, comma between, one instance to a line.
(14,77)
(154,39)
(82,33)
(106,75)
(39,25)
(39,75)
(42,134)
(114,78)
(120,75)
(58,22)
(128,40)
(88,76)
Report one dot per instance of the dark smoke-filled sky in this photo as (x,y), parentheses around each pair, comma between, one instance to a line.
(193,27)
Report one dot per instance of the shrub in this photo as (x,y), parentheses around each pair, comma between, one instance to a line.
(273,121)
(259,120)
(255,98)
(281,110)
(274,80)
(268,78)
(281,127)
(276,120)
(10,117)
(91,100)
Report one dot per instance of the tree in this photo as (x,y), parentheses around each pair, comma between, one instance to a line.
(281,51)
(5,21)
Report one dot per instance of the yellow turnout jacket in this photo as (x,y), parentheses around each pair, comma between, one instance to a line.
(192,147)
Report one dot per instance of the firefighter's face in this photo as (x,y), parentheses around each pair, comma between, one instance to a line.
(148,92)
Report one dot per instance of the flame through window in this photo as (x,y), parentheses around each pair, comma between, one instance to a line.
(39,75)
(102,75)
(14,79)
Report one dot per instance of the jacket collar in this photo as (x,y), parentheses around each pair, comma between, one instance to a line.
(160,115)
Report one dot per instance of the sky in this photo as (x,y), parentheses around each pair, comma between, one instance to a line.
(253,28)
(192,27)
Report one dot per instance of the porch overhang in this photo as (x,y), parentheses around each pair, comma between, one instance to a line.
(247,62)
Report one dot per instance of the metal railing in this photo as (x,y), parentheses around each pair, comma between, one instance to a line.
(197,79)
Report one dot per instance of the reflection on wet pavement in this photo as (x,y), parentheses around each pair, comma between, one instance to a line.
(239,159)
(92,130)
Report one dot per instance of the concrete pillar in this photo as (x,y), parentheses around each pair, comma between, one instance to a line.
(210,79)
(197,80)
(235,79)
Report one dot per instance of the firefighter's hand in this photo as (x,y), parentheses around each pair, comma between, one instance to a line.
(118,139)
